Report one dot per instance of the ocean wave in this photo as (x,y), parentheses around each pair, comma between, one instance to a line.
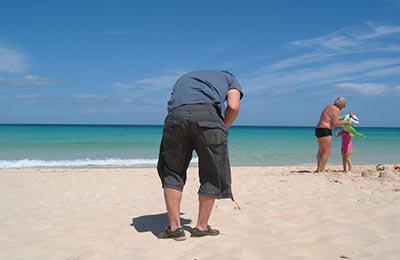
(111,162)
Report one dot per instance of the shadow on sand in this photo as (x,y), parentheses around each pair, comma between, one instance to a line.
(301,171)
(154,223)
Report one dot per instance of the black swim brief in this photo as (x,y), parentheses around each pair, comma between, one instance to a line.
(322,132)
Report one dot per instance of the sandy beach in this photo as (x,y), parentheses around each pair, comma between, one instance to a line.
(286,213)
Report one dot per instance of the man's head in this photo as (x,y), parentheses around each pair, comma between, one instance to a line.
(340,102)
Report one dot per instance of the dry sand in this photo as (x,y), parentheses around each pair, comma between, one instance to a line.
(286,213)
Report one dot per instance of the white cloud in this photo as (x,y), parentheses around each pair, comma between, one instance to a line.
(397,90)
(116,33)
(298,60)
(368,53)
(352,40)
(378,31)
(321,75)
(131,85)
(12,60)
(368,89)
(79,99)
(29,99)
(27,96)
(332,42)
(386,71)
(152,84)
(393,3)
(218,49)
(101,112)
(138,102)
(92,98)
(29,80)
(341,44)
(153,91)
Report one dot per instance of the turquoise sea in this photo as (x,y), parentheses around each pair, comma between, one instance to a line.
(137,146)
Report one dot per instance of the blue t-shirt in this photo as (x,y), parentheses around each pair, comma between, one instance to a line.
(202,87)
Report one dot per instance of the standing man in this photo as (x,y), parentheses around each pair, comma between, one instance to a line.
(198,120)
(330,118)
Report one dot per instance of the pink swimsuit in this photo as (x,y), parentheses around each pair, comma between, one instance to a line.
(347,146)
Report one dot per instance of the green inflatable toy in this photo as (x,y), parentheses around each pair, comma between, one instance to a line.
(350,128)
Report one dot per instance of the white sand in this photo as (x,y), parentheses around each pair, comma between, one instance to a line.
(286,213)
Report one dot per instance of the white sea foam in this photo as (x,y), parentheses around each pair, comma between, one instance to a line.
(111,162)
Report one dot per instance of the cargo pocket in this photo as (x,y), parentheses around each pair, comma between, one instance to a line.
(214,133)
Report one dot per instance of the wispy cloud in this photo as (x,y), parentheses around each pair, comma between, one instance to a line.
(116,33)
(353,39)
(319,63)
(151,91)
(157,83)
(393,4)
(138,102)
(29,99)
(383,72)
(334,41)
(92,98)
(12,60)
(332,60)
(56,101)
(100,112)
(297,61)
(218,49)
(377,31)
(42,100)
(368,89)
(321,75)
(29,81)
(129,85)
(397,90)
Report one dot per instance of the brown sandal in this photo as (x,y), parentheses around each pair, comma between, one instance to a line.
(209,232)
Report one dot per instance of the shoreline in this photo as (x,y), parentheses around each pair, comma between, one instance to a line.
(332,167)
(287,212)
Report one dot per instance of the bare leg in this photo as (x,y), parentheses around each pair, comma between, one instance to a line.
(324,151)
(173,199)
(206,205)
(348,161)
(344,162)
(318,157)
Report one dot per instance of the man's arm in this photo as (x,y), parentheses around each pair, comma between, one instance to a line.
(338,120)
(233,108)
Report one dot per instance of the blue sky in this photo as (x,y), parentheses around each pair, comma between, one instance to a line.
(115,62)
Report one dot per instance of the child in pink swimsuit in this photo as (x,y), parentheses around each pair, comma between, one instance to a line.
(347,148)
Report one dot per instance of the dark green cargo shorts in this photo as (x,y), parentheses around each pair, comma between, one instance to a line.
(197,128)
